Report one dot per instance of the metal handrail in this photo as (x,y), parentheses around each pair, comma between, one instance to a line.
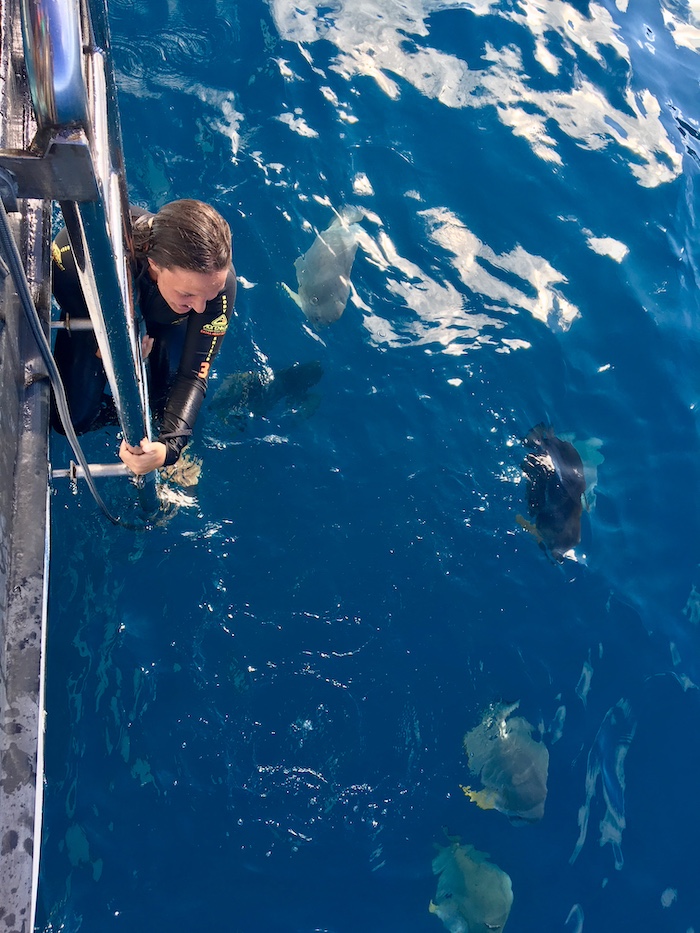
(53,59)
(72,87)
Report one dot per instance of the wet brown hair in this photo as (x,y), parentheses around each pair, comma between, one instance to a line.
(186,234)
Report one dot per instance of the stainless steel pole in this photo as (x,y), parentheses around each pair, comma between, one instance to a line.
(72,84)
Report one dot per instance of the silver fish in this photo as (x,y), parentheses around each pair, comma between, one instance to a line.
(323,272)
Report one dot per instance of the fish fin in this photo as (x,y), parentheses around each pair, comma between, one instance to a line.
(503,710)
(350,215)
(185,471)
(484,799)
(529,527)
(292,295)
(453,839)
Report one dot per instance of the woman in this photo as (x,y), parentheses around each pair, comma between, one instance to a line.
(185,289)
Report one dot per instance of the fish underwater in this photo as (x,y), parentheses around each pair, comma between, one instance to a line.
(556,484)
(473,895)
(323,272)
(185,471)
(243,394)
(511,765)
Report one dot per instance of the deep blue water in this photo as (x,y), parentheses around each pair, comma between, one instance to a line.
(256,711)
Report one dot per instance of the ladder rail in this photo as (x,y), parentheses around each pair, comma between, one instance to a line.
(72,86)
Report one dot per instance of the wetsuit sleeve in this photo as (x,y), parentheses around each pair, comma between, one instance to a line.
(205,333)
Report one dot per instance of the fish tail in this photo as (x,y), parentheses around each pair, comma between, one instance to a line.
(484,799)
(529,527)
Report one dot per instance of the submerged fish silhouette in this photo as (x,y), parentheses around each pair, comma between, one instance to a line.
(556,484)
(473,895)
(246,393)
(323,272)
(511,764)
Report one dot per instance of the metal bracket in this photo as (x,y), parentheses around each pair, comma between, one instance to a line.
(73,323)
(58,167)
(76,472)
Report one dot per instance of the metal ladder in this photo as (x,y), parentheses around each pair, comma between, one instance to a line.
(76,158)
(60,141)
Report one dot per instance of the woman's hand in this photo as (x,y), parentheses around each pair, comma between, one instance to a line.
(149,455)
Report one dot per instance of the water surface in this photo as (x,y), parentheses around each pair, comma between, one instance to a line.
(256,712)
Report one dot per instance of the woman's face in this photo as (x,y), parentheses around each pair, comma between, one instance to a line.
(185,290)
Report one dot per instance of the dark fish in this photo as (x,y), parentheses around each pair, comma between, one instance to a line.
(556,485)
(245,393)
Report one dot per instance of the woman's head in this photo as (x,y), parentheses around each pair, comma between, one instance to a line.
(185,234)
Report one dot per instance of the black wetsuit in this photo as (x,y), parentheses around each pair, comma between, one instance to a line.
(184,348)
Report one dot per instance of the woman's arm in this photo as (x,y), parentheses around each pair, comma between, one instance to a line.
(205,332)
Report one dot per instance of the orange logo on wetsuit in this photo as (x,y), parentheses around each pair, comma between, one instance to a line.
(217,327)
(205,366)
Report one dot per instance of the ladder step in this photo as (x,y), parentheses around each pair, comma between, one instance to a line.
(76,472)
(78,323)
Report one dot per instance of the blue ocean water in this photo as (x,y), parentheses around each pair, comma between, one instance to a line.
(256,711)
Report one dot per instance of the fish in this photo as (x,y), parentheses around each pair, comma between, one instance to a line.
(511,765)
(473,895)
(243,394)
(185,471)
(323,272)
(556,485)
